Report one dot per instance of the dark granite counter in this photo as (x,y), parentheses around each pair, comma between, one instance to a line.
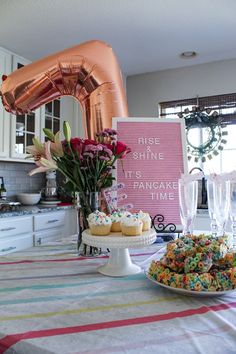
(35,209)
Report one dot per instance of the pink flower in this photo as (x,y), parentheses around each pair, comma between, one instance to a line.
(110,131)
(89,154)
(121,149)
(94,159)
(76,146)
(109,146)
(107,150)
(93,148)
(104,158)
(90,142)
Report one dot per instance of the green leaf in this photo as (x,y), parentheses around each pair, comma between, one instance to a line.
(69,186)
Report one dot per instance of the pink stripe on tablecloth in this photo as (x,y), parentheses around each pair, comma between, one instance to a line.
(12,339)
(69,259)
(163,340)
(50,260)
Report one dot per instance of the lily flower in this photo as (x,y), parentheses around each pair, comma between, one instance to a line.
(36,150)
(45,163)
(56,145)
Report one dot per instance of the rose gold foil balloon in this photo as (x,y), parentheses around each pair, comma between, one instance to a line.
(89,72)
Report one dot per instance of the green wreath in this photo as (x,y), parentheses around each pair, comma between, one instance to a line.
(214,134)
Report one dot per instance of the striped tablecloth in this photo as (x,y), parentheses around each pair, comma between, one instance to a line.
(53,301)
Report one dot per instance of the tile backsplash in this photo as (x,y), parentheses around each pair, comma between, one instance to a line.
(17,180)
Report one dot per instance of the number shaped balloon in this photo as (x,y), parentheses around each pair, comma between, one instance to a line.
(89,72)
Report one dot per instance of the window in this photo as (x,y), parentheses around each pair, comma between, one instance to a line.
(52,116)
(225,106)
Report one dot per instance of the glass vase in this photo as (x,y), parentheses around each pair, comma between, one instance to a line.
(87,202)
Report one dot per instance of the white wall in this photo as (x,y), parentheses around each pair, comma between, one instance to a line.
(145,91)
(70,111)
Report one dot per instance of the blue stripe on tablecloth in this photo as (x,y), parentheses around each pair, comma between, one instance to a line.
(53,276)
(69,285)
(71,297)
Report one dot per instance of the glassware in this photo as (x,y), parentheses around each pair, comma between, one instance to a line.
(221,198)
(188,193)
(85,207)
(210,203)
(94,200)
(232,210)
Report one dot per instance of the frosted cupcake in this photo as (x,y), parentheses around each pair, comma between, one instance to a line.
(99,223)
(116,217)
(146,219)
(131,225)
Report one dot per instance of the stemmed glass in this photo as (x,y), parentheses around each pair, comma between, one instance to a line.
(210,204)
(221,198)
(232,209)
(188,192)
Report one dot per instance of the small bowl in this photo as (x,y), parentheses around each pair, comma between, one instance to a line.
(29,198)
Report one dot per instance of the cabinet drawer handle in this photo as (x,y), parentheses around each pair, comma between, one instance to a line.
(7,249)
(51,221)
(8,229)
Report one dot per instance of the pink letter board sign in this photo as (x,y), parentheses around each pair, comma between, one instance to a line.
(152,169)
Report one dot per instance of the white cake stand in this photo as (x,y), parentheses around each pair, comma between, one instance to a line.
(119,263)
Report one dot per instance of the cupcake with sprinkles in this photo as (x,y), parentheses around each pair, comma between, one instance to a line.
(99,223)
(146,219)
(131,225)
(116,217)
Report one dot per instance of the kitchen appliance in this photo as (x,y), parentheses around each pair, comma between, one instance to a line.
(49,193)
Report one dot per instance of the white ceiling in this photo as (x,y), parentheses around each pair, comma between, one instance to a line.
(146,35)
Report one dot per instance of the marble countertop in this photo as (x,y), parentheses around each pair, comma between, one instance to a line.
(35,209)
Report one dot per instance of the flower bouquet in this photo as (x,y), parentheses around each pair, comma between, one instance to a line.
(87,164)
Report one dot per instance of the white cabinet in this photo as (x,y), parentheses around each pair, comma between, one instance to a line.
(16,233)
(71,222)
(17,131)
(23,126)
(48,227)
(21,232)
(18,225)
(49,220)
(41,238)
(54,226)
(5,69)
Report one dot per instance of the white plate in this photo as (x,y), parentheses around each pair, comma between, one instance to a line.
(50,202)
(189,292)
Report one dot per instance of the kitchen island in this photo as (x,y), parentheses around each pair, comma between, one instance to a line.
(55,302)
